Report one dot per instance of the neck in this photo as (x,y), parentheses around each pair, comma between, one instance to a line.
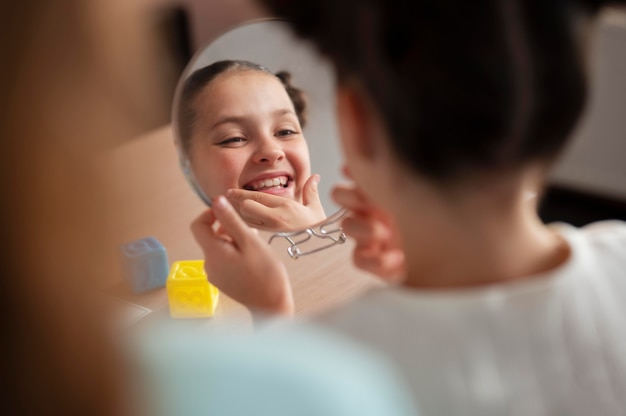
(485,238)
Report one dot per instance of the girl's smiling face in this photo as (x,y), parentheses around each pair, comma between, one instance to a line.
(247,136)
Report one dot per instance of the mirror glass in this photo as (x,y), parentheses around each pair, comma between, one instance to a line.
(254,120)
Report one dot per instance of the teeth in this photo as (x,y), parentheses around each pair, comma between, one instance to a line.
(279,181)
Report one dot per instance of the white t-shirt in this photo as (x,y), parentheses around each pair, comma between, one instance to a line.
(549,345)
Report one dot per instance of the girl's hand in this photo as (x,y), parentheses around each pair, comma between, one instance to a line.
(276,213)
(377,248)
(240,263)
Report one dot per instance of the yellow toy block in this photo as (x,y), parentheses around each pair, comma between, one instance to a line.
(189,292)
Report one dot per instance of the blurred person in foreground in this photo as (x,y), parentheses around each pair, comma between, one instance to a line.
(450,112)
(77,78)
(57,356)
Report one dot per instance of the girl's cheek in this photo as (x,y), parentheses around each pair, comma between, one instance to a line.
(300,155)
(231,167)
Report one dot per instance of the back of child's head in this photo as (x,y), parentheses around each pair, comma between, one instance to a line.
(200,79)
(462,86)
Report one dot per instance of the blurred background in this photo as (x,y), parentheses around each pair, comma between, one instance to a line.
(589,182)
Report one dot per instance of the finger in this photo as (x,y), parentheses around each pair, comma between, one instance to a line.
(259,215)
(202,228)
(389,264)
(365,230)
(345,169)
(310,193)
(231,222)
(223,234)
(208,239)
(349,196)
(238,196)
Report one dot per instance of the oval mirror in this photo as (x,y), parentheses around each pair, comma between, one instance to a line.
(254,120)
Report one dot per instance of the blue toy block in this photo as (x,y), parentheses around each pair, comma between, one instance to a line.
(144,264)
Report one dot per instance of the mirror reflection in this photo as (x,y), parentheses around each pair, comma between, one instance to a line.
(241,128)
(248,127)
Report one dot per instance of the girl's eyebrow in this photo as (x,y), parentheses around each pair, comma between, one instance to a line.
(283,111)
(242,119)
(228,119)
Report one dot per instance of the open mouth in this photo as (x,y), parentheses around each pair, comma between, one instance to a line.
(275,183)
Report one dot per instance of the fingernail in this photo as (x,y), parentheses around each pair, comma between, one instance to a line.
(317,178)
(223,202)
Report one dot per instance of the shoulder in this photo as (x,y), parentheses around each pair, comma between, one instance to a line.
(611,230)
(608,234)
(606,238)
(598,251)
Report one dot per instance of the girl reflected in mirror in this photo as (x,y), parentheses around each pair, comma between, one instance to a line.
(240,126)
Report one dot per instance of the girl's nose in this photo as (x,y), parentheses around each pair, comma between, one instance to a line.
(269,153)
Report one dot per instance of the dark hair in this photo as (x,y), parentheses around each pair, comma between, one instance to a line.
(202,77)
(461,85)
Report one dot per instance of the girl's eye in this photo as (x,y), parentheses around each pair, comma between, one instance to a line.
(233,141)
(286,133)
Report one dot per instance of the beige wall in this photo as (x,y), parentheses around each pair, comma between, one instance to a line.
(596,159)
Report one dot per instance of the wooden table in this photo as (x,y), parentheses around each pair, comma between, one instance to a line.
(154,199)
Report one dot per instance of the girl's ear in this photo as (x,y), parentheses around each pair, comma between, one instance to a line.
(356,123)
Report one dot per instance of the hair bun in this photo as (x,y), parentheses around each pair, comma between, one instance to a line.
(297,96)
(285,77)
